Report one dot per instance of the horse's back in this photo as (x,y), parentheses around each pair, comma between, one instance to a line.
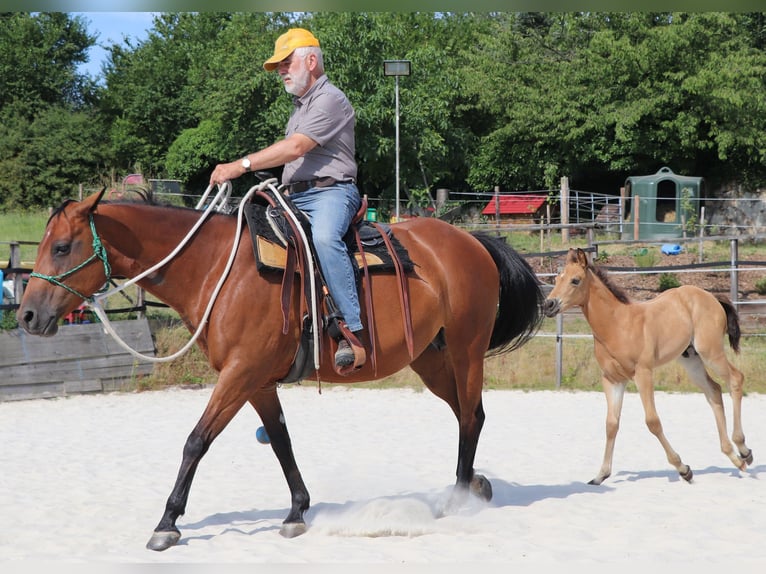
(447,255)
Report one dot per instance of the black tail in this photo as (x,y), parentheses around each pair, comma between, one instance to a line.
(519,313)
(732,322)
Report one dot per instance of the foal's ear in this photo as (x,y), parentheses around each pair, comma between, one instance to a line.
(582,259)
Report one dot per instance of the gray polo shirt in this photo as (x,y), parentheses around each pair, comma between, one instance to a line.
(326,116)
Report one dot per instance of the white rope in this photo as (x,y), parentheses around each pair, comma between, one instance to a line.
(224,191)
(312,280)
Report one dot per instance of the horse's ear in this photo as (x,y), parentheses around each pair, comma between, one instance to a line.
(91,202)
(582,259)
(572,255)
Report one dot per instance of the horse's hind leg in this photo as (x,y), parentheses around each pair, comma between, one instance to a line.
(220,409)
(645,386)
(268,406)
(466,403)
(695,368)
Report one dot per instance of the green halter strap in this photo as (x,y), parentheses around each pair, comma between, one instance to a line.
(99,252)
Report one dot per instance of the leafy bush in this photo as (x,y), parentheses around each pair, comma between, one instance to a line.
(7,320)
(668,281)
(645,257)
(760,286)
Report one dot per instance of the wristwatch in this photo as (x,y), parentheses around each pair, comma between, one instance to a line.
(246,163)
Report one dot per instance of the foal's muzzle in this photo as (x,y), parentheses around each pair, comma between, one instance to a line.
(551,307)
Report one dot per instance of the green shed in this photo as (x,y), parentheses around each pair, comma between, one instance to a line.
(656,202)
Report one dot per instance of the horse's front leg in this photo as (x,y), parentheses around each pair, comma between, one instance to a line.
(615,393)
(220,409)
(268,407)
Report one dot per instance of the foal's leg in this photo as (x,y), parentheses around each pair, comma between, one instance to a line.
(219,411)
(645,386)
(614,392)
(269,408)
(695,367)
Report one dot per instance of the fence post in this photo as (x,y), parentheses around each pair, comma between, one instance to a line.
(497,209)
(140,303)
(565,209)
(636,218)
(559,348)
(18,280)
(734,289)
(622,209)
(702,233)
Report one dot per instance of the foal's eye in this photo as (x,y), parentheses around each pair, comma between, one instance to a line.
(61,249)
(576,281)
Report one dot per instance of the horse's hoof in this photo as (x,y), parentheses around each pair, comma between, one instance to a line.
(481,487)
(748,458)
(293,529)
(687,476)
(598,480)
(163,540)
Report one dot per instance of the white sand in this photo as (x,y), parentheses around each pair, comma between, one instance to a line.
(84,480)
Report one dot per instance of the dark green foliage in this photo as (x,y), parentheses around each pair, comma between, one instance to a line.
(668,281)
(515,100)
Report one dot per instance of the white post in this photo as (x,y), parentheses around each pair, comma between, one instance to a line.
(565,210)
(396,91)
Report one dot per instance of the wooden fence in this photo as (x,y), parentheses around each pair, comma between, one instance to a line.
(80,358)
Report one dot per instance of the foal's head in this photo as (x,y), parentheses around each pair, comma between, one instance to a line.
(573,284)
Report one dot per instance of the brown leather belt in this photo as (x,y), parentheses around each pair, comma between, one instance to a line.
(300,186)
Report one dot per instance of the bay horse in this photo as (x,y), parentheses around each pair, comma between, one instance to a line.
(471,296)
(632,339)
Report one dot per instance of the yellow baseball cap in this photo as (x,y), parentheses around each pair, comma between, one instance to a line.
(286,45)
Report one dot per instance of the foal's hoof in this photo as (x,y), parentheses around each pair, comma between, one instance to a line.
(748,458)
(163,540)
(481,487)
(293,529)
(687,476)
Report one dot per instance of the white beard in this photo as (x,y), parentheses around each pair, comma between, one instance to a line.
(298,82)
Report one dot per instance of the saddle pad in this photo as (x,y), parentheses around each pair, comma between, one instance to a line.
(270,253)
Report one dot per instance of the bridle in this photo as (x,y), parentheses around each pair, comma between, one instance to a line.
(99,253)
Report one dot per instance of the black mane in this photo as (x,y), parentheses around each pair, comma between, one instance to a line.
(622,297)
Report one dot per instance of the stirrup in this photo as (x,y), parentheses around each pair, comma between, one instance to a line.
(350,355)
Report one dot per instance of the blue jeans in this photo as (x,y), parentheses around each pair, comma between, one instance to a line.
(330,210)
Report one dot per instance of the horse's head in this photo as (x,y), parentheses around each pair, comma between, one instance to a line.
(70,266)
(571,288)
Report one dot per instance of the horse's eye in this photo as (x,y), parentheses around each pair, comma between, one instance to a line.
(576,281)
(61,249)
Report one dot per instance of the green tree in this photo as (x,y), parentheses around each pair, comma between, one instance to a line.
(596,96)
(39,54)
(49,138)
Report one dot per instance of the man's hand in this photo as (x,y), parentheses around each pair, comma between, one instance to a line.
(226,171)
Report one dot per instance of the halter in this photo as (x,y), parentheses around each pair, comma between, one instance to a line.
(99,252)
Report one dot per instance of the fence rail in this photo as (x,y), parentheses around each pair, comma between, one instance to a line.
(733,267)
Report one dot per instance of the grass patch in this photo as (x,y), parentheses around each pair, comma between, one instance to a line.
(531,368)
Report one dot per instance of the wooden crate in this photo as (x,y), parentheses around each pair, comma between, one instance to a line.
(80,358)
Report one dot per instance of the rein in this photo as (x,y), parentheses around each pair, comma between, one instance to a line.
(99,252)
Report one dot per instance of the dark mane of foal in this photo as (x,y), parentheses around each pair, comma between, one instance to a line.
(622,297)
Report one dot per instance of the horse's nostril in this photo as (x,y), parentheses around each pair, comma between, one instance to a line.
(27,317)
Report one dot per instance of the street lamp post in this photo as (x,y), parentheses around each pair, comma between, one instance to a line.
(397,68)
